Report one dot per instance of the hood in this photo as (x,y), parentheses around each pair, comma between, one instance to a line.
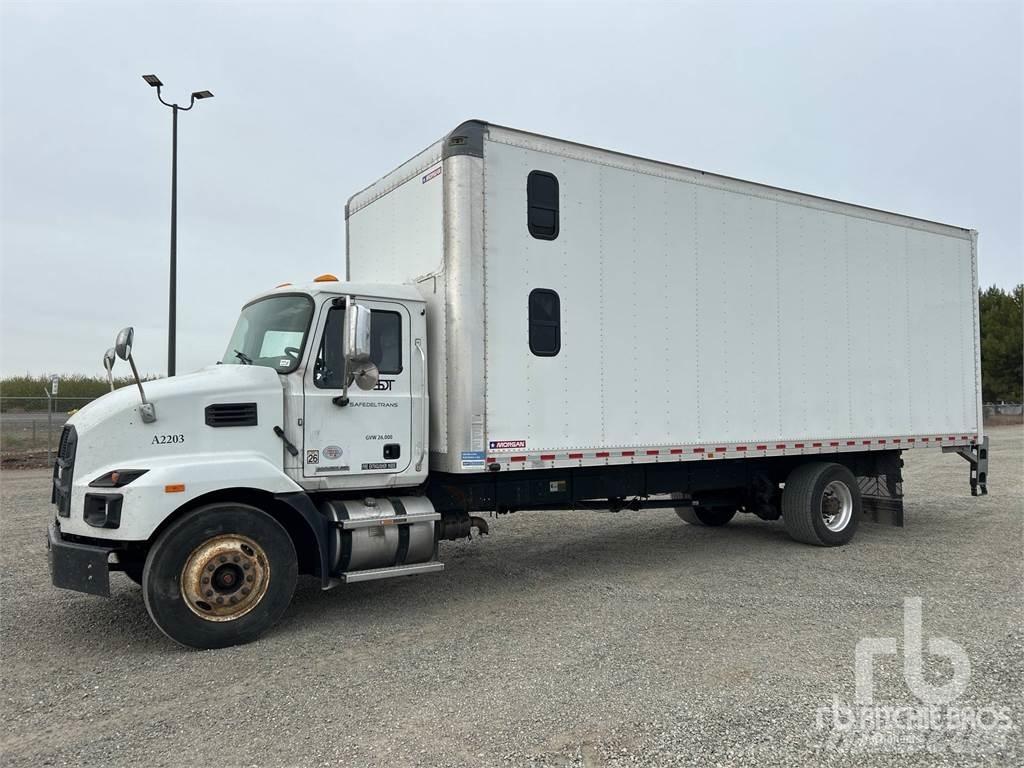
(112,435)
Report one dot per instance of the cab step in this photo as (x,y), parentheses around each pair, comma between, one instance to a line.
(373,574)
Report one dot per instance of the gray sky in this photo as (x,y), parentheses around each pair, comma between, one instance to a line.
(911,107)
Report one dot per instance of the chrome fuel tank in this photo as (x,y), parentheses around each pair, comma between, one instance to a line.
(380,532)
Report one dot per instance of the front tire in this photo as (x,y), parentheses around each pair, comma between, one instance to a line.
(821,504)
(219,576)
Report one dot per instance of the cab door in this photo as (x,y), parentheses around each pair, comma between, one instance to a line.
(372,435)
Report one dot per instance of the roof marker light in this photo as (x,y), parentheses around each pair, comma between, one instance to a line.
(327,278)
(282,285)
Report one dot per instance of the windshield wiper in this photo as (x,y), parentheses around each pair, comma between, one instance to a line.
(246,360)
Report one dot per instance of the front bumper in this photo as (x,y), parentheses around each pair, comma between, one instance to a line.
(81,567)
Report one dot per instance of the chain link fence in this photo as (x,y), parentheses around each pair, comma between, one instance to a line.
(28,426)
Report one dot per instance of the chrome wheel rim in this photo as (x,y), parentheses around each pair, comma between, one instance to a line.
(836,506)
(225,577)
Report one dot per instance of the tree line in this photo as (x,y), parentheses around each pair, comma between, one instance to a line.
(1002,344)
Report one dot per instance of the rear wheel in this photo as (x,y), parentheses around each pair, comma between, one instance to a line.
(821,504)
(705,516)
(219,576)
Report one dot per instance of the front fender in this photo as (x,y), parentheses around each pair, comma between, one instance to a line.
(168,485)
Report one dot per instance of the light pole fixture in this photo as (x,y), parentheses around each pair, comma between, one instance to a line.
(154,81)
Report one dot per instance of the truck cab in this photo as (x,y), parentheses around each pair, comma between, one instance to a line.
(306,433)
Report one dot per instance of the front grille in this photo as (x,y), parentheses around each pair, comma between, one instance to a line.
(63,471)
(231,415)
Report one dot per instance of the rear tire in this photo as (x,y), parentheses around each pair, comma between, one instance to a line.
(219,576)
(712,518)
(821,504)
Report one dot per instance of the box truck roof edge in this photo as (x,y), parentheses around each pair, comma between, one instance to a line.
(468,139)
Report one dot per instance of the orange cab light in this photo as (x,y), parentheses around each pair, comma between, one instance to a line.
(328,278)
(175,488)
(282,285)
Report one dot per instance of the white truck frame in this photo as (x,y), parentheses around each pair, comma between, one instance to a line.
(509,289)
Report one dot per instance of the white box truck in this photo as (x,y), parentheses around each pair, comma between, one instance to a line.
(529,324)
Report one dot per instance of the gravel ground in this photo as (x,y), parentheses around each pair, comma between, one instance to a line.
(565,639)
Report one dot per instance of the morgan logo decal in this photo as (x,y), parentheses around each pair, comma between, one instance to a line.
(312,457)
(499,445)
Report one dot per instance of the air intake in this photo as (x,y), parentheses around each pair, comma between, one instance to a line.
(231,415)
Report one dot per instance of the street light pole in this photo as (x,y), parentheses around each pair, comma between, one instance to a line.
(172,315)
(172,291)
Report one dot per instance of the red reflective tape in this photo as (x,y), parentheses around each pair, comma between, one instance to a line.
(896,440)
(629,453)
(780,445)
(815,445)
(698,450)
(720,449)
(652,453)
(547,457)
(798,445)
(676,450)
(833,444)
(601,454)
(881,442)
(925,439)
(867,442)
(575,455)
(952,437)
(741,447)
(761,448)
(911,439)
(851,442)
(518,458)
(491,459)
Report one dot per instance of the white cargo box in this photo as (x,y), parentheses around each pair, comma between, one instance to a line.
(681,315)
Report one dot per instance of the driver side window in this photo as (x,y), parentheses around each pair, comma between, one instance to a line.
(385,347)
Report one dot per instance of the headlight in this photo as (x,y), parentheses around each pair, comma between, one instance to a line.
(117,478)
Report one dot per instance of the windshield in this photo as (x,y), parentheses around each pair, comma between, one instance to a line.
(271,332)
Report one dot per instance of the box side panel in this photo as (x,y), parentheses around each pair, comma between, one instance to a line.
(395,228)
(702,313)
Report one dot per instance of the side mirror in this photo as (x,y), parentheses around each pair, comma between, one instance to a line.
(123,345)
(108,363)
(123,349)
(357,333)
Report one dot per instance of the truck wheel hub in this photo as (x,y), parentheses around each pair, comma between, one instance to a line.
(836,506)
(225,577)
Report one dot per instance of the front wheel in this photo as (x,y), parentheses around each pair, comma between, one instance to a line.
(219,576)
(821,504)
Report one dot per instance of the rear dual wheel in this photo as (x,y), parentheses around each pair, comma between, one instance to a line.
(219,576)
(821,504)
